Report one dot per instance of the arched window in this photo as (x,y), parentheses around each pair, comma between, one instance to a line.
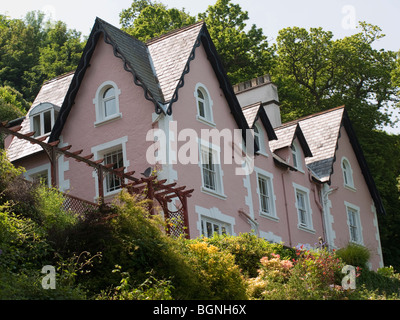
(259,139)
(107,103)
(347,173)
(204,105)
(296,155)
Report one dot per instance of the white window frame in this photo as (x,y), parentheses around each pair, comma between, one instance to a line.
(296,156)
(308,226)
(99,152)
(39,111)
(43,169)
(268,178)
(215,151)
(223,228)
(259,136)
(348,181)
(354,224)
(215,216)
(208,117)
(98,101)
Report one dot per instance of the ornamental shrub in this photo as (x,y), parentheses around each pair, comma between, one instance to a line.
(355,255)
(248,249)
(219,277)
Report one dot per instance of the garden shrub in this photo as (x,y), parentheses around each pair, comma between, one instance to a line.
(219,276)
(248,249)
(355,255)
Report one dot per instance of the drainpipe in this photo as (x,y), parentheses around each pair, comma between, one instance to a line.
(286,206)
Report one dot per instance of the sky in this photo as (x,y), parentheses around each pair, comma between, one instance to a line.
(338,16)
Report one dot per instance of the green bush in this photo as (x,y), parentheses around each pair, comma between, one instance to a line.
(219,276)
(355,255)
(248,249)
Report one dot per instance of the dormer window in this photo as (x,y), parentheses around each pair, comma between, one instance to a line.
(296,155)
(43,117)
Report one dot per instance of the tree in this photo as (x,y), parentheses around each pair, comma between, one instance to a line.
(33,50)
(315,72)
(146,20)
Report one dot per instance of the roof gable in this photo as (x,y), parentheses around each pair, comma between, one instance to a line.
(286,134)
(256,111)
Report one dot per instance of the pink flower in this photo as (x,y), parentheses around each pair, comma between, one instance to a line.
(276,255)
(286,264)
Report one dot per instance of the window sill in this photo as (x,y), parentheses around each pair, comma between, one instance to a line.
(108,120)
(262,153)
(205,121)
(270,217)
(306,229)
(351,188)
(213,193)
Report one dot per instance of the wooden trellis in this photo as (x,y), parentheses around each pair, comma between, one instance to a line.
(152,188)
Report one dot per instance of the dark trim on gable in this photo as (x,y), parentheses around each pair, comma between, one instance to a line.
(303,142)
(262,115)
(84,63)
(363,163)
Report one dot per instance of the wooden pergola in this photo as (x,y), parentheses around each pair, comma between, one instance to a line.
(151,187)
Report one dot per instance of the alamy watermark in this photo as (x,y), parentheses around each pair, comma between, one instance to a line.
(49,281)
(237,148)
(349,20)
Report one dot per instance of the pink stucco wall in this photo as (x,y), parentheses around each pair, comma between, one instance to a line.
(81,132)
(359,197)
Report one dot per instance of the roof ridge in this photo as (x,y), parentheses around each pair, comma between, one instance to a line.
(173,32)
(293,122)
(64,75)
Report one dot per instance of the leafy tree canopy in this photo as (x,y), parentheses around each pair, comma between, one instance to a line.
(33,50)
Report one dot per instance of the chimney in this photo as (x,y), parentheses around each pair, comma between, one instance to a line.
(262,90)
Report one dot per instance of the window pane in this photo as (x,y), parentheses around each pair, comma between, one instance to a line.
(36,125)
(209,172)
(110,107)
(201,109)
(301,207)
(209,229)
(113,182)
(47,122)
(109,93)
(264,194)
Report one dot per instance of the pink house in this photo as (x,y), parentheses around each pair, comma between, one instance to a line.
(167,104)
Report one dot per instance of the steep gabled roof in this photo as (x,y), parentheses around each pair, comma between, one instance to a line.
(286,133)
(256,111)
(170,54)
(322,132)
(159,67)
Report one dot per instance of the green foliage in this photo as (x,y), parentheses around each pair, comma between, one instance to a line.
(218,274)
(150,289)
(248,249)
(33,50)
(355,255)
(146,20)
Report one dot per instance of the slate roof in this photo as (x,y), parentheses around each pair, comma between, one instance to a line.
(52,91)
(170,53)
(250,113)
(137,57)
(321,131)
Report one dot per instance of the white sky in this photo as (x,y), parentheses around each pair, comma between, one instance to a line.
(338,16)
